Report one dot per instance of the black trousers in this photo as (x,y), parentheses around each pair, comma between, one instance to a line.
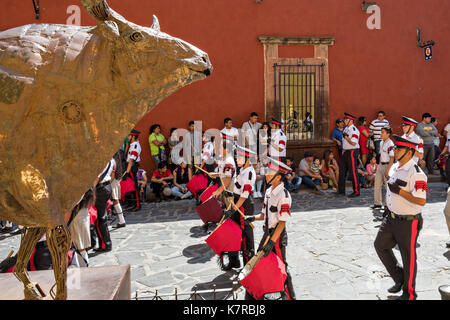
(248,239)
(134,170)
(280,250)
(42,258)
(348,163)
(428,156)
(403,233)
(102,195)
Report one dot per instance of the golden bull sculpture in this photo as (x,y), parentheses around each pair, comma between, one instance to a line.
(68,97)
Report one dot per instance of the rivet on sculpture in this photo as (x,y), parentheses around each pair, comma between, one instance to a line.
(68,97)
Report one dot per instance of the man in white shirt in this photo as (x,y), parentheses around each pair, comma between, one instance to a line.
(230,131)
(376,126)
(349,160)
(385,164)
(250,130)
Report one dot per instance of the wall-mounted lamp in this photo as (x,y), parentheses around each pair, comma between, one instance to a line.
(36,8)
(421,44)
(365,5)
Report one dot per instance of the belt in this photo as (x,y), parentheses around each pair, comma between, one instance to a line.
(403,217)
(383,163)
(104,184)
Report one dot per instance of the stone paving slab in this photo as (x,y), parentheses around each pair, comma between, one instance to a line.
(330,251)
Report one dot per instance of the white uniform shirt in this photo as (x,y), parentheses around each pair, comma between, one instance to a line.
(353,134)
(413,137)
(208,152)
(416,181)
(107,177)
(386,150)
(277,204)
(226,167)
(134,152)
(245,182)
(279,139)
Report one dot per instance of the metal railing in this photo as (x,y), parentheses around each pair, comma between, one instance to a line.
(210,294)
(299,98)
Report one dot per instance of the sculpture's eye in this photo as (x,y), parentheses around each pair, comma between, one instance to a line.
(136,36)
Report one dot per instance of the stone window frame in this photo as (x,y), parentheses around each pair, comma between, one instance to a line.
(271,44)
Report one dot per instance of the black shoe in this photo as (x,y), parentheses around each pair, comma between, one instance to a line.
(107,249)
(339,194)
(353,195)
(119,225)
(376,206)
(395,288)
(447,244)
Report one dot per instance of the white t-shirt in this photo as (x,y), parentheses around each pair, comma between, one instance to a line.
(386,150)
(233,132)
(447,128)
(303,165)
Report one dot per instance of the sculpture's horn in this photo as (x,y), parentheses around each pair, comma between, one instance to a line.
(99,9)
(155,25)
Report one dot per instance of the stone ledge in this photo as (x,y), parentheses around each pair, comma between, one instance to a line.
(296,40)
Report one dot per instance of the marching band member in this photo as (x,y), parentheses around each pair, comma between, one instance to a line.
(226,167)
(243,190)
(405,198)
(275,213)
(208,152)
(278,141)
(133,159)
(408,127)
(349,159)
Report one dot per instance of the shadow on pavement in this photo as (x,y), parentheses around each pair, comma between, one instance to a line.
(199,253)
(223,281)
(447,255)
(303,201)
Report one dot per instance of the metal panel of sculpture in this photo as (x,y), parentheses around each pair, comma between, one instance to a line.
(68,97)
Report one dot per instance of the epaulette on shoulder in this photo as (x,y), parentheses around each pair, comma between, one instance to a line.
(250,175)
(286,193)
(417,168)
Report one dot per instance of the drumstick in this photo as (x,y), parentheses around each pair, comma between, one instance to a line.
(242,215)
(234,205)
(252,262)
(10,254)
(209,174)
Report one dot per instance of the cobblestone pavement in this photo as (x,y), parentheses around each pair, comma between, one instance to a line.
(330,251)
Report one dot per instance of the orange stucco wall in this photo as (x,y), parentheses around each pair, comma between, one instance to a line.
(369,69)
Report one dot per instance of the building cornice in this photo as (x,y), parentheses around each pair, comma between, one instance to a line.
(296,40)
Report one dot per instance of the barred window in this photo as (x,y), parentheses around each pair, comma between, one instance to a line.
(299,99)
